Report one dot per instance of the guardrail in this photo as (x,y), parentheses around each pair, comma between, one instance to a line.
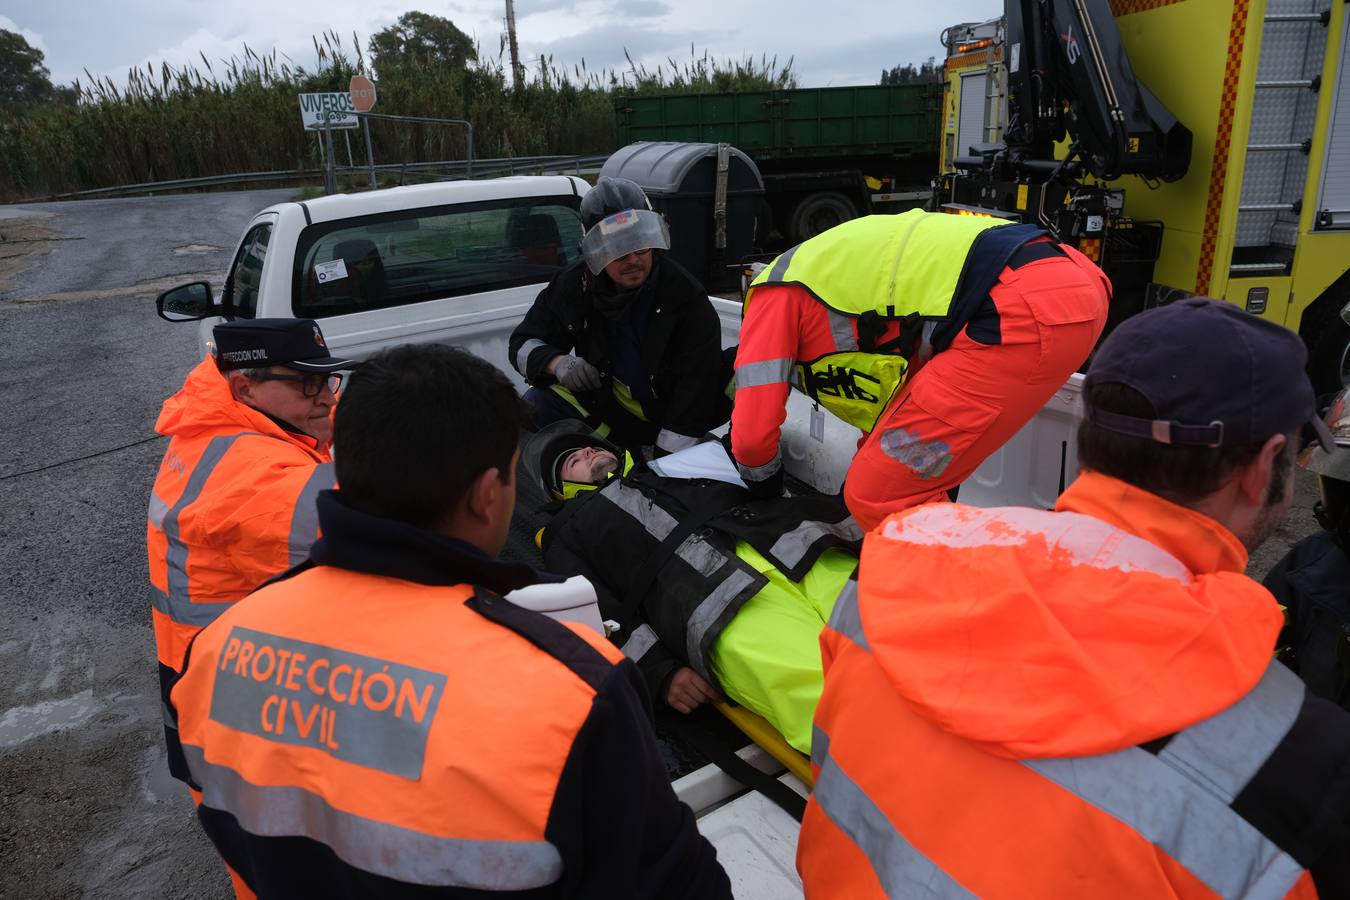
(443,170)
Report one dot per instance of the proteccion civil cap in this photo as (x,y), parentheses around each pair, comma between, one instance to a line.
(1215,376)
(258,343)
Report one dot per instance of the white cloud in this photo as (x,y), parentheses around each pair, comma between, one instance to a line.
(32,37)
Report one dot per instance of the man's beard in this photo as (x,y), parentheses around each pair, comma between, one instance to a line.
(602,468)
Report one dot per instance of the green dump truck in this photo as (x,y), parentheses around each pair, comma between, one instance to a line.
(826,154)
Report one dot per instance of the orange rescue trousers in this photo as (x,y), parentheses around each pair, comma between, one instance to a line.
(968,400)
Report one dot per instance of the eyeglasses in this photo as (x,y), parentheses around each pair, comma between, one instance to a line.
(311,385)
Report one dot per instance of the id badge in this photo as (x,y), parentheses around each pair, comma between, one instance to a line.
(817,424)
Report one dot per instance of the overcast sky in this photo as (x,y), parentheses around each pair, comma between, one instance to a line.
(832,42)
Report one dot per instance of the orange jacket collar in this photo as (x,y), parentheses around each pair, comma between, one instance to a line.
(1202,544)
(204,404)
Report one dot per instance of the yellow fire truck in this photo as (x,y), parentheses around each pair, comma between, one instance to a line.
(1227,175)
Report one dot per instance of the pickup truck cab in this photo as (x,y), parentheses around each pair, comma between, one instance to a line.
(455,261)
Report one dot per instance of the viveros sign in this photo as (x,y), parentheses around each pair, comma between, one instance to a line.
(332,109)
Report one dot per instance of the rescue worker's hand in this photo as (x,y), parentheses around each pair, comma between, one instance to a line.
(687,691)
(576,374)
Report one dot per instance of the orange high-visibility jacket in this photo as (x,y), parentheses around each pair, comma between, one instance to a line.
(232,506)
(404,729)
(1078,703)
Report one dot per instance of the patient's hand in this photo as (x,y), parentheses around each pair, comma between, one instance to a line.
(687,690)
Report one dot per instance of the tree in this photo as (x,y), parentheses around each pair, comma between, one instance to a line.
(928,70)
(24,80)
(419,39)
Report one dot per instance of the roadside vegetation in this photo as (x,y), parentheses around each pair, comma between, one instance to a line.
(241,114)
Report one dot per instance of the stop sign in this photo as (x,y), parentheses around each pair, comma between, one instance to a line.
(362,90)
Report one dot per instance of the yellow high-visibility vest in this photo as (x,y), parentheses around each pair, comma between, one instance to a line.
(890,266)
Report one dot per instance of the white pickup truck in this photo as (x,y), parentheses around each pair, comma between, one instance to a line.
(460,263)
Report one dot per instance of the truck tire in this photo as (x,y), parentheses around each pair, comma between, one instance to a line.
(815,213)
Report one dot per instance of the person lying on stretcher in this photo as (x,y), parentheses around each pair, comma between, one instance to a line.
(715,592)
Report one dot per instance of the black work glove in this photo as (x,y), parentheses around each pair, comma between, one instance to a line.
(770,488)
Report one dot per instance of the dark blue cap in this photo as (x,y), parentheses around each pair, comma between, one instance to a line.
(259,343)
(1215,375)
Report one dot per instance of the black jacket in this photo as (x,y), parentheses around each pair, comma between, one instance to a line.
(681,350)
(661,553)
(614,819)
(1313,583)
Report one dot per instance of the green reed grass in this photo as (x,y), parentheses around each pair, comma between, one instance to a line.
(241,115)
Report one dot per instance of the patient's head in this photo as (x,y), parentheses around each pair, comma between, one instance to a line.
(588,465)
(565,457)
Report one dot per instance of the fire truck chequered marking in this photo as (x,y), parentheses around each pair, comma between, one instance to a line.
(1237,36)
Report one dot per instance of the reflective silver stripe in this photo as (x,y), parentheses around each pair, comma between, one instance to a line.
(791,547)
(706,614)
(670,441)
(158,510)
(639,642)
(770,371)
(178,603)
(761,473)
(701,556)
(305,518)
(1183,816)
(374,846)
(841,329)
(1225,751)
(846,619)
(656,520)
(780,265)
(820,745)
(523,354)
(902,870)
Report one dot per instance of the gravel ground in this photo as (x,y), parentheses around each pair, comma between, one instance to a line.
(86,805)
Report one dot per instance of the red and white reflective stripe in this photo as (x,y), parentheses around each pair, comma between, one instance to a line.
(1077,539)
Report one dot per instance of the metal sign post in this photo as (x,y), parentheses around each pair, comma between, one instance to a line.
(363,94)
(330,168)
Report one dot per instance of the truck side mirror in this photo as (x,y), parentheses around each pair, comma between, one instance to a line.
(187,302)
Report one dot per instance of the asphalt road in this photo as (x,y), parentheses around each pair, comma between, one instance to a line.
(86,805)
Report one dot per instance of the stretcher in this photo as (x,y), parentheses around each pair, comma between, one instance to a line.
(768,738)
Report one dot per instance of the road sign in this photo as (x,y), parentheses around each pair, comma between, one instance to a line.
(362,90)
(333,109)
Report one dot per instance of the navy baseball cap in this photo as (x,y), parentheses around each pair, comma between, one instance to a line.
(258,343)
(1215,375)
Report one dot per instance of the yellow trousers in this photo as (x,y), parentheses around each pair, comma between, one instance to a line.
(768,656)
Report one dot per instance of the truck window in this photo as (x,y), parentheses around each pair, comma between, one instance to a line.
(240,295)
(411,256)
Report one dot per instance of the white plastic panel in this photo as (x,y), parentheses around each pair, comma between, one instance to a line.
(1031,469)
(757,846)
(1333,201)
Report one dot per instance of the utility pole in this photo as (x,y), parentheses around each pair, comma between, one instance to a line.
(517,76)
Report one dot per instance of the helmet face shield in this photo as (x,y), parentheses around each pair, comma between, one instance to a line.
(616,236)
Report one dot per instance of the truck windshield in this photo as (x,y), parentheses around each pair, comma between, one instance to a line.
(416,255)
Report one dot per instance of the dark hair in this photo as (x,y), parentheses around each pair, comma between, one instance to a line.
(1182,474)
(416,425)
